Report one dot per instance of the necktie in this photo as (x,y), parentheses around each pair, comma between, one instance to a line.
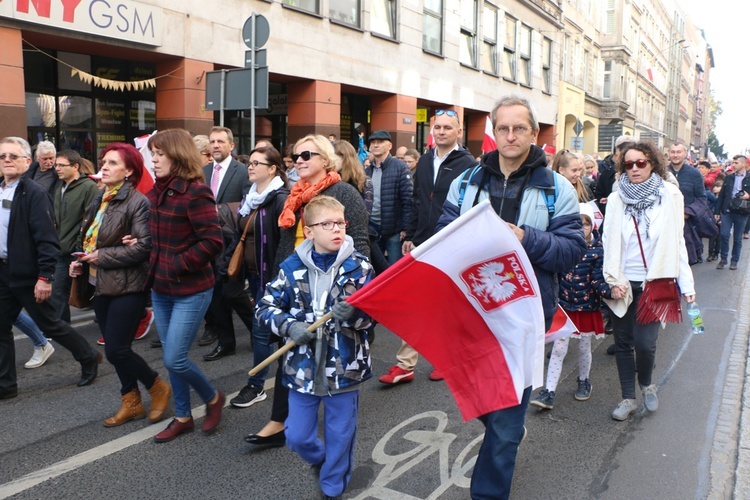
(215,180)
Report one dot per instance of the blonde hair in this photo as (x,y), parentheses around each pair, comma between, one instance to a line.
(315,206)
(202,142)
(350,169)
(325,148)
(562,160)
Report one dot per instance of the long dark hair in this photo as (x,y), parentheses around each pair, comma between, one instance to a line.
(274,158)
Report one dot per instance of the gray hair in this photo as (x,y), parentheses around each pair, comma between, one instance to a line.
(623,139)
(45,147)
(201,142)
(19,141)
(515,100)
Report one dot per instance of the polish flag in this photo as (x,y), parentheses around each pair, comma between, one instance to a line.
(598,215)
(488,142)
(430,140)
(473,310)
(561,327)
(147,181)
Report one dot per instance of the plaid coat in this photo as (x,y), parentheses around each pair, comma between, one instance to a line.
(185,235)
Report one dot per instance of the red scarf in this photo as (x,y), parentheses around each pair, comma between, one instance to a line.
(303,192)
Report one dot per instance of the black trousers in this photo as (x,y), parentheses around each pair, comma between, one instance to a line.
(118,317)
(12,300)
(229,295)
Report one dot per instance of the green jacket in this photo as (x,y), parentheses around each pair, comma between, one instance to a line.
(70,209)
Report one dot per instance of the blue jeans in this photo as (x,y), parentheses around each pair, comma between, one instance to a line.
(262,348)
(391,246)
(336,456)
(28,327)
(728,221)
(493,471)
(178,319)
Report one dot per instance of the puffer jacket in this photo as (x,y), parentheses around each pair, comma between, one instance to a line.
(339,358)
(582,289)
(554,246)
(122,268)
(396,189)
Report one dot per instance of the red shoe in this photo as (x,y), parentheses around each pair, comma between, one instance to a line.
(174,429)
(100,341)
(397,375)
(213,414)
(436,376)
(145,325)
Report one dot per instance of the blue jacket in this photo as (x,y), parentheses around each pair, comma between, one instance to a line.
(691,183)
(339,358)
(395,196)
(554,246)
(582,288)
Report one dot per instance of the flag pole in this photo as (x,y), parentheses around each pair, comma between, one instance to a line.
(288,346)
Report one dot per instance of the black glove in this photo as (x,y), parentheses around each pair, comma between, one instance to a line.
(298,333)
(342,310)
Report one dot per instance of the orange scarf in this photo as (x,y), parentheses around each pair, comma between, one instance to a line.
(302,192)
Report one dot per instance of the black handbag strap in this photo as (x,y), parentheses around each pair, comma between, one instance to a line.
(640,245)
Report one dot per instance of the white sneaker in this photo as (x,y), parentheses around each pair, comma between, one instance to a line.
(649,397)
(626,408)
(41,355)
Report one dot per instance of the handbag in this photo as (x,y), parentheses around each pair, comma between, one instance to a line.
(739,206)
(81,291)
(660,300)
(238,256)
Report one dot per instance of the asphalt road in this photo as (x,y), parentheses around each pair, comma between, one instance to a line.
(411,442)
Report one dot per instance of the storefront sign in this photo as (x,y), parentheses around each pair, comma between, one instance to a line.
(122,19)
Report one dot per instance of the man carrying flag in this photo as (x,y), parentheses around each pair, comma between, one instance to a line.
(541,208)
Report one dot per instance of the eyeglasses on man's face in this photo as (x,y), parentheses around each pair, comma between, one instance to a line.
(327,225)
(11,156)
(517,130)
(305,155)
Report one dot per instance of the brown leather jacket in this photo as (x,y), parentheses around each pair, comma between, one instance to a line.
(122,269)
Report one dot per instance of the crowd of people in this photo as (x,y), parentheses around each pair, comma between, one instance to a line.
(282,238)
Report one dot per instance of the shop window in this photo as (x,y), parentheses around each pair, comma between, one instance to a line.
(308,5)
(432,27)
(383,18)
(345,11)
(468,49)
(40,110)
(489,35)
(510,49)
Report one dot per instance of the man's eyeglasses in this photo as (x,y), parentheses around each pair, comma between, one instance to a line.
(518,130)
(305,155)
(450,112)
(637,163)
(327,225)
(61,165)
(255,163)
(11,156)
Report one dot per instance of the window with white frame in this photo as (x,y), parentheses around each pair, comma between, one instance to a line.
(345,11)
(308,5)
(509,49)
(525,53)
(467,54)
(489,35)
(607,89)
(609,17)
(547,64)
(383,18)
(432,26)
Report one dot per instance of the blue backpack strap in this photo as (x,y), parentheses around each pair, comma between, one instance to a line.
(464,183)
(550,196)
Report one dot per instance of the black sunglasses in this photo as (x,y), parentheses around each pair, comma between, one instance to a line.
(305,155)
(637,163)
(450,112)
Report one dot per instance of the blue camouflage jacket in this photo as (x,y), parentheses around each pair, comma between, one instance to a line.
(339,358)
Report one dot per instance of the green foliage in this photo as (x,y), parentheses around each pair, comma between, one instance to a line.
(714,146)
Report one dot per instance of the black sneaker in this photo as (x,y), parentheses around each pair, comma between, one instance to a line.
(248,396)
(545,400)
(584,390)
(722,264)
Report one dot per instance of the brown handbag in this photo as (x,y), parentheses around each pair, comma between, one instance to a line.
(660,300)
(238,256)
(81,291)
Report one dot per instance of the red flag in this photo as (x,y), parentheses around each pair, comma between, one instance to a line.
(474,310)
(561,327)
(488,142)
(650,74)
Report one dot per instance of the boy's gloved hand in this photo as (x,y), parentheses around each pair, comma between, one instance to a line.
(298,333)
(342,310)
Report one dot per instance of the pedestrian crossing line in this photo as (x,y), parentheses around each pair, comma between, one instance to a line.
(104,450)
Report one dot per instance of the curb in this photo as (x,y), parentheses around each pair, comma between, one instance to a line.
(742,472)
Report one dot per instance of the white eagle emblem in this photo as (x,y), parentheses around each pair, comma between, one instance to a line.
(492,283)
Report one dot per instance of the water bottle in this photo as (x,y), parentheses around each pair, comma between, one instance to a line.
(695,318)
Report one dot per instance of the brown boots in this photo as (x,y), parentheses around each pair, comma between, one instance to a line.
(160,393)
(132,407)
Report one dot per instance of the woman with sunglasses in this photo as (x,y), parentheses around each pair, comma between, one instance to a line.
(315,162)
(643,241)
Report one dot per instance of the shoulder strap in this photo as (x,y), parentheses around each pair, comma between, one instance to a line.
(550,196)
(640,245)
(464,183)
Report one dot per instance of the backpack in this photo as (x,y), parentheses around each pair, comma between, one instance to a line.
(550,194)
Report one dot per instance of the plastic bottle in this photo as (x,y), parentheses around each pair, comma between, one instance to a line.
(695,318)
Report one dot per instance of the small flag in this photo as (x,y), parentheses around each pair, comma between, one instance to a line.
(488,142)
(561,327)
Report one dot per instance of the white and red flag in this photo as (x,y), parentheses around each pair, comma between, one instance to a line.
(598,215)
(430,140)
(147,181)
(467,299)
(488,142)
(561,326)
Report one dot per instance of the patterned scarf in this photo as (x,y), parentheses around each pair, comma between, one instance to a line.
(89,241)
(302,192)
(640,197)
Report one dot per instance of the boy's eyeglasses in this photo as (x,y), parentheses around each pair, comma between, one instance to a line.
(305,155)
(637,163)
(450,112)
(327,225)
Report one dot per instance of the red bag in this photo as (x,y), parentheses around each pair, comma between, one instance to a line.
(660,300)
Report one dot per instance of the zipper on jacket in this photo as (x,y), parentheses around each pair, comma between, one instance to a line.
(502,200)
